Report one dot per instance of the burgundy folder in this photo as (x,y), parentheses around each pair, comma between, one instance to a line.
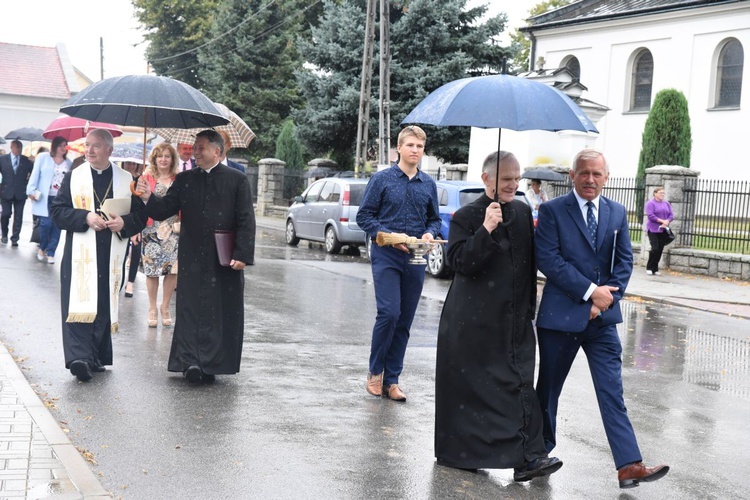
(224,246)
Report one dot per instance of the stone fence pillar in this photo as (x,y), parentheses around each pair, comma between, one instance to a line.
(319,168)
(456,172)
(674,179)
(270,184)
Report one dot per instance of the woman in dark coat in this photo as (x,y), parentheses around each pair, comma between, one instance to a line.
(487,414)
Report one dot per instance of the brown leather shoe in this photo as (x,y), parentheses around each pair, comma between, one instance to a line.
(374,384)
(395,393)
(634,473)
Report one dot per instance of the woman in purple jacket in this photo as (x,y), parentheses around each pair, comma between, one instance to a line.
(659,213)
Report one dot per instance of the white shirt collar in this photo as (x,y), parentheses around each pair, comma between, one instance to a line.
(582,202)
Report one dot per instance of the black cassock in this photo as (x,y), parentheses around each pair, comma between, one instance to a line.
(486,411)
(91,342)
(210,317)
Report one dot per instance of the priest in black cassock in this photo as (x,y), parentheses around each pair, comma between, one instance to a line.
(95,246)
(486,411)
(210,318)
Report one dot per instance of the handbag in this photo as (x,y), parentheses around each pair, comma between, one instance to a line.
(670,235)
(35,236)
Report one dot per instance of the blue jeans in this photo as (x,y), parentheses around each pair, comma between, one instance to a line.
(398,288)
(49,233)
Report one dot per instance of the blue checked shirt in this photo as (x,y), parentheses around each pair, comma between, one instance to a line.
(393,203)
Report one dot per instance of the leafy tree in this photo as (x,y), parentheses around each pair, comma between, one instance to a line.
(520,45)
(174,27)
(250,67)
(432,43)
(666,136)
(288,148)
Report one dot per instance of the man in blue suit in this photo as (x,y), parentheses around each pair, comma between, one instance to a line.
(583,248)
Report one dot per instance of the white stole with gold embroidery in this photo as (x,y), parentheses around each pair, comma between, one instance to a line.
(83,277)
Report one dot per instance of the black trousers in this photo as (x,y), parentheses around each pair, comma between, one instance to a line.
(658,241)
(14,207)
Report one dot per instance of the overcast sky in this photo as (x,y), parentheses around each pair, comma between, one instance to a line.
(80,23)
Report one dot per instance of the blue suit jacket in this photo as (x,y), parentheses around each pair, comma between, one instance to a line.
(234,165)
(565,255)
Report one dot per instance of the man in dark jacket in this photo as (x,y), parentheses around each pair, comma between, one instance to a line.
(486,411)
(16,170)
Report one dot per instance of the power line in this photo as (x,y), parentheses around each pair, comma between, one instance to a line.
(239,46)
(195,49)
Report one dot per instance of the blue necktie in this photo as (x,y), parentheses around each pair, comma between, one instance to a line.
(591,222)
(15,164)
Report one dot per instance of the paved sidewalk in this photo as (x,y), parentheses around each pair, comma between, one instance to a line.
(37,460)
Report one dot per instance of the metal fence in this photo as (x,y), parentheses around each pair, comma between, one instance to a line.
(720,212)
(625,190)
(294,184)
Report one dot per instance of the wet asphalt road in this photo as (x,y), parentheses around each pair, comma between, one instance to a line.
(297,423)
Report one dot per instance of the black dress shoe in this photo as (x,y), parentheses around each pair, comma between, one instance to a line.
(537,468)
(98,367)
(4,240)
(193,374)
(209,378)
(81,369)
(128,294)
(14,244)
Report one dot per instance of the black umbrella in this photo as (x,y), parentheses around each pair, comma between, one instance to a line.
(26,134)
(317,172)
(145,101)
(543,174)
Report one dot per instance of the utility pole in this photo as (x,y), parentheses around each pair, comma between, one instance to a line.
(364,91)
(101,58)
(384,128)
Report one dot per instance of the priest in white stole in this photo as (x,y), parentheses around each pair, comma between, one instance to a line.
(95,244)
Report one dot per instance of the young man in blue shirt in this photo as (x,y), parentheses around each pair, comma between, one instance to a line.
(400,199)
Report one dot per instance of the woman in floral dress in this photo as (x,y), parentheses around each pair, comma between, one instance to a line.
(159,239)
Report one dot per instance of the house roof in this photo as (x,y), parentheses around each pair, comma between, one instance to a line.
(587,11)
(33,71)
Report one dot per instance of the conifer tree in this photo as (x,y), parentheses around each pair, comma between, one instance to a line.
(666,136)
(250,67)
(288,148)
(432,43)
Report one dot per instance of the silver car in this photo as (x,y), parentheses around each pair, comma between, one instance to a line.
(327,212)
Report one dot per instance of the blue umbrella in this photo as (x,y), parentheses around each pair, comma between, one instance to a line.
(500,101)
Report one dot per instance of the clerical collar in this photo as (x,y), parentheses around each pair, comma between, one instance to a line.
(208,170)
(100,172)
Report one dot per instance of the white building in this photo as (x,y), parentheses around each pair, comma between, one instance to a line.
(625,52)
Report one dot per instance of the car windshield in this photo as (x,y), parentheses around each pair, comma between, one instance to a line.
(355,194)
(468,195)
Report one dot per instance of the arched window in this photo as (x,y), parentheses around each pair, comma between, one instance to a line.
(643,77)
(729,75)
(574,67)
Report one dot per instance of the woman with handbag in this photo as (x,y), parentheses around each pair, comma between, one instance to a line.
(659,213)
(159,239)
(46,178)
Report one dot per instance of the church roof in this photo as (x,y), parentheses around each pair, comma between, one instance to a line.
(33,71)
(587,11)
